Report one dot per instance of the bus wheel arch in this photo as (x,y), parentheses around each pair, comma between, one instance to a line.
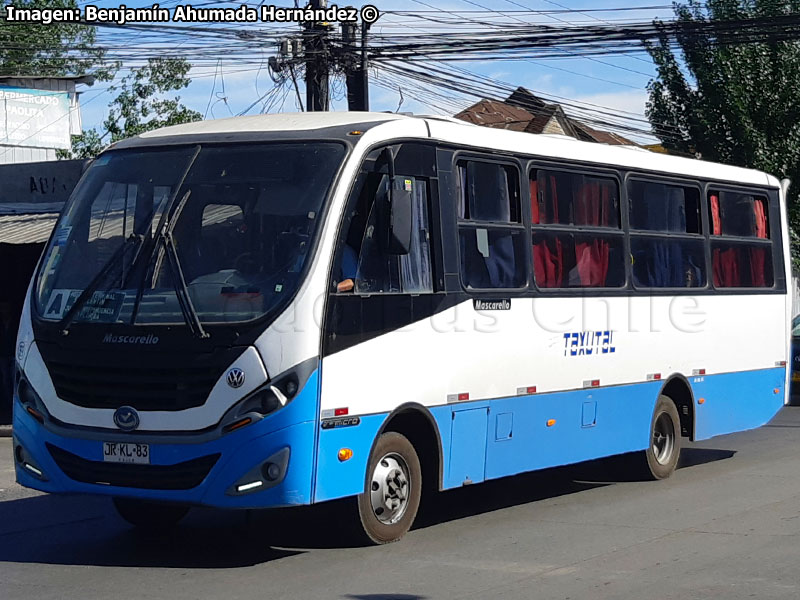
(404,460)
(416,423)
(677,389)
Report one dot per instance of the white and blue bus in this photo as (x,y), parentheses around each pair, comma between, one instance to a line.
(283,310)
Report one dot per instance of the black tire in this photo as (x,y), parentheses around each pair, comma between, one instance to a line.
(393,453)
(150,515)
(662,454)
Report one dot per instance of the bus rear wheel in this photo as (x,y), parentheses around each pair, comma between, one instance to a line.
(661,456)
(150,515)
(391,497)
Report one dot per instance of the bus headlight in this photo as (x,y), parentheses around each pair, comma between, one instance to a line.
(28,397)
(267,399)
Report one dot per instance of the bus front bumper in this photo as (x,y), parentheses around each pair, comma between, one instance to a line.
(257,466)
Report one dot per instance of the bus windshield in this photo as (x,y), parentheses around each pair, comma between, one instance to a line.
(240,220)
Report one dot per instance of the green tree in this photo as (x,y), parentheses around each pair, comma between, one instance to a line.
(140,106)
(55,50)
(141,103)
(730,103)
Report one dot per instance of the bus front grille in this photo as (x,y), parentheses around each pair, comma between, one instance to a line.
(181,476)
(143,388)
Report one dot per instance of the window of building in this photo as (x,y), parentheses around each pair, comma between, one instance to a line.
(738,262)
(577,239)
(491,235)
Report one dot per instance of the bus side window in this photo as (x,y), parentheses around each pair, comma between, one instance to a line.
(379,272)
(491,235)
(363,267)
(577,234)
(741,249)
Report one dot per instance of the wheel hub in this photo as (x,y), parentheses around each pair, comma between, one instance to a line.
(389,489)
(663,438)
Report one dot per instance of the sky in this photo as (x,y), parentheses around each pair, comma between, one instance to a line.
(225,88)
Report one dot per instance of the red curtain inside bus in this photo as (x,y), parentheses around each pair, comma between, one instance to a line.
(592,208)
(741,265)
(548,263)
(592,204)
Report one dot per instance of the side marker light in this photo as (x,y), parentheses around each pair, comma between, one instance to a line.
(35,414)
(551,422)
(344,454)
(237,425)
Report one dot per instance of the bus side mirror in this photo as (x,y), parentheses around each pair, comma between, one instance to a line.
(398,231)
(395,211)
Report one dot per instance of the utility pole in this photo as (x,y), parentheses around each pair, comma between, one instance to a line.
(317,58)
(356,64)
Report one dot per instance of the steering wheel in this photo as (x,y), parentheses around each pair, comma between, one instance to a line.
(246,262)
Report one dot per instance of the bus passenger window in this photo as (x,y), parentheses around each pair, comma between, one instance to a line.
(491,235)
(675,260)
(741,250)
(577,239)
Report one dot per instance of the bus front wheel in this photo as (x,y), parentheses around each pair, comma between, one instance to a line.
(391,497)
(661,456)
(150,515)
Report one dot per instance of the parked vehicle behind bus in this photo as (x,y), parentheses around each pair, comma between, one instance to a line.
(288,309)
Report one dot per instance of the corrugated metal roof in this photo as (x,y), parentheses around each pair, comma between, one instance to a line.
(30,208)
(86,79)
(26,228)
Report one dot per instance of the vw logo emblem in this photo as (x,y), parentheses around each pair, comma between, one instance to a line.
(235,378)
(126,418)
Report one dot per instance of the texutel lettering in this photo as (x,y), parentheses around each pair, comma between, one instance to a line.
(587,343)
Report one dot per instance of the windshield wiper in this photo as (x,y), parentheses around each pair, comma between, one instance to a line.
(178,280)
(163,224)
(134,240)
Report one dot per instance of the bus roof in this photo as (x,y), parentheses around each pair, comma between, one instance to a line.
(459,132)
(304,121)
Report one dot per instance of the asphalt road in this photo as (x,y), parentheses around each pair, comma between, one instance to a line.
(726,525)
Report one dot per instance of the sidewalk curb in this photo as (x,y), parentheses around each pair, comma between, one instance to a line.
(5,431)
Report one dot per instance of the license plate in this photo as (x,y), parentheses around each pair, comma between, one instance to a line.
(123,452)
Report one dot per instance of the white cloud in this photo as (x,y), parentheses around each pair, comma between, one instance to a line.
(631,101)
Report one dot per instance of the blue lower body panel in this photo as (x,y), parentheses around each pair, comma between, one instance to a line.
(335,478)
(736,401)
(480,440)
(488,439)
(238,453)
